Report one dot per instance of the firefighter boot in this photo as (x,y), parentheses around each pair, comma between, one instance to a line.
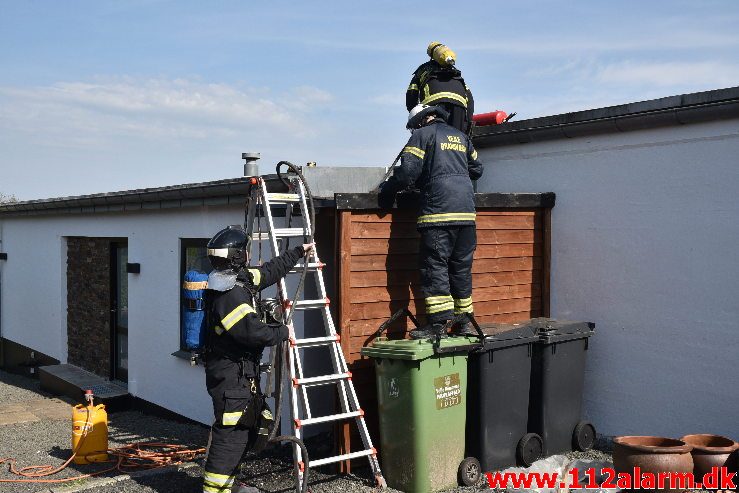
(463,328)
(429,331)
(239,487)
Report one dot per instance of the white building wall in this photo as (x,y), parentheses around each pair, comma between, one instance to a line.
(34,293)
(644,243)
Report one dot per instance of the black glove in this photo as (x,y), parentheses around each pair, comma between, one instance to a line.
(386,193)
(284,333)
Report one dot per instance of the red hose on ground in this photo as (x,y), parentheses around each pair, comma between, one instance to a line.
(150,455)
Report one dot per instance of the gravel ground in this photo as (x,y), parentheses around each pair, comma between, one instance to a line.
(273,474)
(48,442)
(16,388)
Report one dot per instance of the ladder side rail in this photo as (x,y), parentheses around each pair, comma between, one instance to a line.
(337,362)
(297,433)
(283,295)
(303,390)
(299,373)
(295,365)
(281,285)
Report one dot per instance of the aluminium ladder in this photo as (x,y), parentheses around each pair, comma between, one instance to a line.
(300,407)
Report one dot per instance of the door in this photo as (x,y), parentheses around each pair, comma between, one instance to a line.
(119,311)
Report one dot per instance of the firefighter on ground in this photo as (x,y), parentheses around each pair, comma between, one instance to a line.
(438,82)
(441,162)
(237,336)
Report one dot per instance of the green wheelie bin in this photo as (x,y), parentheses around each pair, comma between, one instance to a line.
(422,404)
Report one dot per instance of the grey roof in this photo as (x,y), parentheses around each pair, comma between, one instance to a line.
(220,192)
(672,110)
(323,181)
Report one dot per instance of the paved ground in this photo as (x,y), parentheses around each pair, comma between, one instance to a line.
(22,401)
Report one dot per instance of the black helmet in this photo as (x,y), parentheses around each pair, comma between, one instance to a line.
(229,248)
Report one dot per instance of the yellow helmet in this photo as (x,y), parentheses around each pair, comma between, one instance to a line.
(442,54)
(430,49)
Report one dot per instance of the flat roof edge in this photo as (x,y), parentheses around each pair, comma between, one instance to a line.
(673,110)
(370,201)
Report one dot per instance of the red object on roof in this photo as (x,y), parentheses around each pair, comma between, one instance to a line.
(492,118)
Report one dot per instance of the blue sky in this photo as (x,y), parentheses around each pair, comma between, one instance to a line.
(100,95)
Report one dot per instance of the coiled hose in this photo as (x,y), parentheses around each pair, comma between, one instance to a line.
(284,347)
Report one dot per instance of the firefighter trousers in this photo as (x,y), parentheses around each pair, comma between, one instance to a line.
(232,393)
(445,258)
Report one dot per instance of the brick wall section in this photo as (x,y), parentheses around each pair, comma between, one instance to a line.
(88,304)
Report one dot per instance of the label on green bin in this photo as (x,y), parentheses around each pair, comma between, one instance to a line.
(448,391)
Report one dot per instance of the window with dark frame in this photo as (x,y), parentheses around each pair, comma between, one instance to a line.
(193,256)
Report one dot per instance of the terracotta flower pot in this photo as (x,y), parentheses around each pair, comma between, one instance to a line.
(651,454)
(712,451)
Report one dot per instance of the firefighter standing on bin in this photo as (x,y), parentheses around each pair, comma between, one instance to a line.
(236,339)
(439,82)
(440,160)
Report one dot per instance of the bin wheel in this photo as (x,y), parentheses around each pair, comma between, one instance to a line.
(583,438)
(530,448)
(469,472)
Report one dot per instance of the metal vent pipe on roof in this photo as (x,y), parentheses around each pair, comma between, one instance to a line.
(251,168)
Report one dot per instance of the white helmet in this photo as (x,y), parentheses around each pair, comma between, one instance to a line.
(418,114)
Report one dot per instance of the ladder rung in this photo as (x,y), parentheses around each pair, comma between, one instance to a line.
(312,266)
(283,197)
(310,304)
(279,233)
(322,380)
(264,202)
(339,458)
(289,232)
(315,341)
(329,418)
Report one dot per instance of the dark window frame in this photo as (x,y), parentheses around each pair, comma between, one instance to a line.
(186,243)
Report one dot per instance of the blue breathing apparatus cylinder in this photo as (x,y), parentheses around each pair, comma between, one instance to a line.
(193,309)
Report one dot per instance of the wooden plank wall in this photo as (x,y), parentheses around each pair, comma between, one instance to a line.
(378,275)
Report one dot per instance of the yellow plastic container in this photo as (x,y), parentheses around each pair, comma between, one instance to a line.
(89,433)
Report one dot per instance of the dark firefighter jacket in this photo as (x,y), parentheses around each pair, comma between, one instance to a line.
(237,332)
(433,84)
(441,162)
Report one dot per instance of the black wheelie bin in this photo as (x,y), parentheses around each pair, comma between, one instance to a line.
(557,379)
(498,398)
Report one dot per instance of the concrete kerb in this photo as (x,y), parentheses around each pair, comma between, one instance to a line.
(99,482)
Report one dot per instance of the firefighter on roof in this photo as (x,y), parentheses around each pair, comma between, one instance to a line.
(237,336)
(439,82)
(440,160)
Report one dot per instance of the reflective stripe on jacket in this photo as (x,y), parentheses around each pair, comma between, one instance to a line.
(433,84)
(238,332)
(441,162)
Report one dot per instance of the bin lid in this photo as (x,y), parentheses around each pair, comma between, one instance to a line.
(498,335)
(410,349)
(562,330)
